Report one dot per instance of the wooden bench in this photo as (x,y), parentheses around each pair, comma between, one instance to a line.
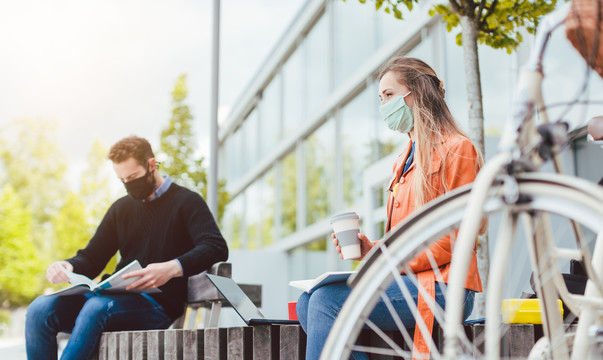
(285,342)
(264,342)
(202,294)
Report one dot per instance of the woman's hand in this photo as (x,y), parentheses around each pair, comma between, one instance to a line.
(365,246)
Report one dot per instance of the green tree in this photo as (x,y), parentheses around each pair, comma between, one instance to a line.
(20,268)
(94,187)
(35,166)
(178,147)
(71,228)
(95,191)
(77,219)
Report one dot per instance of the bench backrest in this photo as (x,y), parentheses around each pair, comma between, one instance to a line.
(201,290)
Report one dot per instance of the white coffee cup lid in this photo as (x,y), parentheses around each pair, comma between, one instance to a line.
(345,215)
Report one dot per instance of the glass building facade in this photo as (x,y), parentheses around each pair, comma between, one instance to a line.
(306,142)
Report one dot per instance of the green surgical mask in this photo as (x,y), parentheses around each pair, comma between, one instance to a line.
(397,115)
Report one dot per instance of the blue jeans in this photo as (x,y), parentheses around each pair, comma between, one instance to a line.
(317,312)
(86,317)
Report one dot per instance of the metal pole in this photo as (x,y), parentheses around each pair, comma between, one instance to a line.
(212,181)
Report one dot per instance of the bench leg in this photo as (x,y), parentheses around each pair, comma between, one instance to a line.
(192,318)
(214,315)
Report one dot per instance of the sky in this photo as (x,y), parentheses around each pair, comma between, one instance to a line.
(105,69)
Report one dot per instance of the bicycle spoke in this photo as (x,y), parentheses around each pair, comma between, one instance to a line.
(420,323)
(397,320)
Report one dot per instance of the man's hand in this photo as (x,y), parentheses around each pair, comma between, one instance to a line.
(365,245)
(154,275)
(56,272)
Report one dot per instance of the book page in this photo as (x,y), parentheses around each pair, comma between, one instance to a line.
(78,279)
(324,279)
(304,285)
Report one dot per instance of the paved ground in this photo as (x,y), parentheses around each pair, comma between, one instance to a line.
(12,349)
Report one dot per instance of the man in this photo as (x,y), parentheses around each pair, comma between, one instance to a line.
(167,228)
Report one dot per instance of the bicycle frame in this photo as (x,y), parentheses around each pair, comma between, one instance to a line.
(517,144)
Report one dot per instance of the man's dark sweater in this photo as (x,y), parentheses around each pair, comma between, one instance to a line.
(177,225)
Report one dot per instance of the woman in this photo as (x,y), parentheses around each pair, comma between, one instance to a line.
(439,158)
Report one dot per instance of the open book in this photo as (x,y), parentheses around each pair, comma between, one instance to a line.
(327,278)
(114,284)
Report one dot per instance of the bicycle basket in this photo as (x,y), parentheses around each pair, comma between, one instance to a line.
(584,29)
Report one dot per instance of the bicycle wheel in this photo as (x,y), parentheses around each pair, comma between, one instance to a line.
(559,196)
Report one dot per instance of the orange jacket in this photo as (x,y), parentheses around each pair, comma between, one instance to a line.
(460,169)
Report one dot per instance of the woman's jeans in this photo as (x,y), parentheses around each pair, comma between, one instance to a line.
(86,317)
(317,312)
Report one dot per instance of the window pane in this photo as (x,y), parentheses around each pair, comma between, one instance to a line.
(317,65)
(309,261)
(232,223)
(389,27)
(270,116)
(253,208)
(354,34)
(358,143)
(267,211)
(289,194)
(424,50)
(223,162)
(319,154)
(235,152)
(293,109)
(250,136)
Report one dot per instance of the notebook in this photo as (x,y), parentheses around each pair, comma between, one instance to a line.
(241,303)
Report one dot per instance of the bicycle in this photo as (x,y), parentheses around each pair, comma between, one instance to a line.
(510,188)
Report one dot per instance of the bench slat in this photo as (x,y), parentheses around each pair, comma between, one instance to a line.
(240,343)
(266,342)
(139,345)
(155,344)
(193,344)
(215,344)
(172,343)
(292,342)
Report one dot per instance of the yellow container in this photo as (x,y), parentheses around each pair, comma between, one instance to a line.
(523,311)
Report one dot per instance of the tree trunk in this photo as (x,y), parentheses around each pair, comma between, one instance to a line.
(476,133)
(474,84)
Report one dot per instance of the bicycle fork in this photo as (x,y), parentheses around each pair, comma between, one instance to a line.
(538,232)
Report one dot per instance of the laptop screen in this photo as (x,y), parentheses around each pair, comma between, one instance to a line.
(236,297)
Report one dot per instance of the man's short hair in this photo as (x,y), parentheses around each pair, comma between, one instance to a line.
(132,146)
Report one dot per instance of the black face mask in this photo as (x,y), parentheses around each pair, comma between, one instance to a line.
(142,187)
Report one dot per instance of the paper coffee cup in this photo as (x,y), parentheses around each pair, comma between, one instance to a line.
(346,228)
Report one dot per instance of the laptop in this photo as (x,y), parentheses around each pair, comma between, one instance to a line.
(241,303)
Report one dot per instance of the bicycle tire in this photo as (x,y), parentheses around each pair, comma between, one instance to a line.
(564,196)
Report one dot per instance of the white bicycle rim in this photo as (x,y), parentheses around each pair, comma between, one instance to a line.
(556,194)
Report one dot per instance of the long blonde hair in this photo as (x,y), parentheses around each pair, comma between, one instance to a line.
(433,122)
